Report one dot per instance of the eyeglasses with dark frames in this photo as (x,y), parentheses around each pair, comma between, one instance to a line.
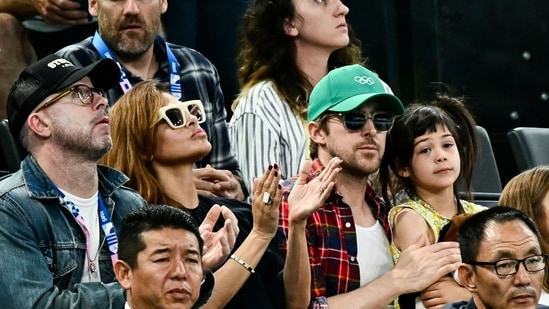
(507,267)
(174,114)
(83,92)
(354,121)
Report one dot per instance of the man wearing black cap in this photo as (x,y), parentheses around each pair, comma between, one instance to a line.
(59,213)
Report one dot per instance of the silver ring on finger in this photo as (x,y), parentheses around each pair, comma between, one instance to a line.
(267,199)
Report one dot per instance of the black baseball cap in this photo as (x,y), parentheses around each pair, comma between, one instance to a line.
(49,75)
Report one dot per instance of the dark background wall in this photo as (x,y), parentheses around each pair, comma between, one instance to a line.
(491,51)
(211,27)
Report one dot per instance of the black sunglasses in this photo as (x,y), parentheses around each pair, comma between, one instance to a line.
(354,121)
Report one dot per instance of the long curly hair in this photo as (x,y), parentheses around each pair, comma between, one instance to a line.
(267,53)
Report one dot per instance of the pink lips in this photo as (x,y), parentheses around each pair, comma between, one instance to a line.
(199,132)
(131,28)
(526,298)
(180,293)
(369,147)
(103,120)
(443,170)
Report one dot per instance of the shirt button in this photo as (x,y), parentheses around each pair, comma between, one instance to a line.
(348,224)
(352,258)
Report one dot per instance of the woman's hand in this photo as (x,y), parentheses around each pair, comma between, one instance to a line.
(266,202)
(218,245)
(213,182)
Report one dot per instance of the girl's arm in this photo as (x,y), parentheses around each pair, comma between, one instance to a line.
(409,228)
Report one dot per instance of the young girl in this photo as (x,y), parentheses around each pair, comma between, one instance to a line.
(429,157)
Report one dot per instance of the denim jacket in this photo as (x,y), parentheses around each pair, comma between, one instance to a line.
(43,248)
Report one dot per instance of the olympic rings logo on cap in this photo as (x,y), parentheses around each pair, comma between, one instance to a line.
(364,80)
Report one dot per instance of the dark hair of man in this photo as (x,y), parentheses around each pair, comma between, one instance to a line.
(267,53)
(151,218)
(472,231)
(419,119)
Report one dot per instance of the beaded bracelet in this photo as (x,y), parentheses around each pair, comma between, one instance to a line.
(244,264)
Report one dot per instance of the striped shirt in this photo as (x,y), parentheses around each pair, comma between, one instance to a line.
(331,240)
(264,130)
(199,81)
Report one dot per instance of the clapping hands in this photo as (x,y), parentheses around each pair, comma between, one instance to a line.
(218,245)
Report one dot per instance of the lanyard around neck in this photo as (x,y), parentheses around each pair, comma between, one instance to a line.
(106,225)
(175,78)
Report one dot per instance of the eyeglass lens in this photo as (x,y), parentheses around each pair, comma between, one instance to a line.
(532,263)
(356,121)
(85,93)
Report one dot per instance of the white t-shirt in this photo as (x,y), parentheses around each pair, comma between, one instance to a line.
(88,209)
(374,256)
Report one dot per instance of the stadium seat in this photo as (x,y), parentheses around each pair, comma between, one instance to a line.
(530,146)
(485,182)
(11,152)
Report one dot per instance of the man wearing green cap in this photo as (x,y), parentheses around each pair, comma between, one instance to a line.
(333,226)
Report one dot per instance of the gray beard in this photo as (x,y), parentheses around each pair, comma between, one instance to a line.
(129,53)
(81,144)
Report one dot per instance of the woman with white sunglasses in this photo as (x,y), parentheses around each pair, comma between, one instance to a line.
(157,140)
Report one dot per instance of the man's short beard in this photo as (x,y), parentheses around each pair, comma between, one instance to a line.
(129,54)
(356,170)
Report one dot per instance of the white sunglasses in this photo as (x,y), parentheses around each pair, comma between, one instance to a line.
(174,114)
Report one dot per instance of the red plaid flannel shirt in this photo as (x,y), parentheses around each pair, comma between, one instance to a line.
(331,239)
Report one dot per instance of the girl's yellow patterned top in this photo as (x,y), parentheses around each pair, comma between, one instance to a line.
(435,221)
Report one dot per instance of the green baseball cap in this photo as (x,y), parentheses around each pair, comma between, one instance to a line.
(348,87)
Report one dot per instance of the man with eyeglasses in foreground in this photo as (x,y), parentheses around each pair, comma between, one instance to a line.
(503,265)
(60,212)
(333,227)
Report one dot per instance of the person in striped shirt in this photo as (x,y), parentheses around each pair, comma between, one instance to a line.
(286,47)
